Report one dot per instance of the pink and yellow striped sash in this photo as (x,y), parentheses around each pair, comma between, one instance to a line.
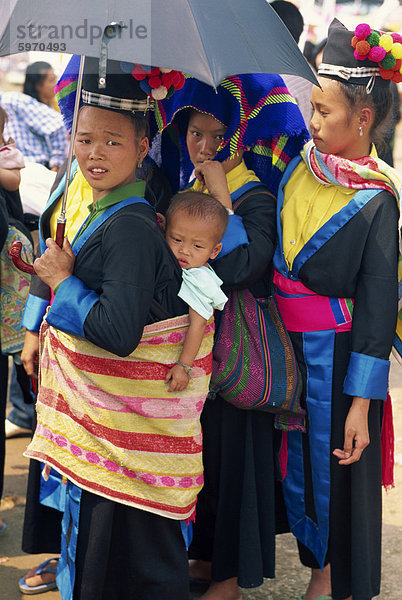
(109,424)
(304,310)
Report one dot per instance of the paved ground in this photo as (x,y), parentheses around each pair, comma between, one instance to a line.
(291,578)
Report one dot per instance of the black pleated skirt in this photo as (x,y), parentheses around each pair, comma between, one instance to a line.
(124,552)
(235,521)
(41,532)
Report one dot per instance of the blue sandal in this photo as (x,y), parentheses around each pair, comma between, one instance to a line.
(43,587)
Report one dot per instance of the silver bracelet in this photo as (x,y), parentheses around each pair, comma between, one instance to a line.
(185,367)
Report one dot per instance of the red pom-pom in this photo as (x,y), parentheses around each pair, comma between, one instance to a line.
(397,77)
(182,81)
(155,82)
(363,47)
(377,53)
(138,73)
(167,80)
(359,56)
(387,73)
(175,77)
(362,31)
(354,41)
(154,72)
(398,64)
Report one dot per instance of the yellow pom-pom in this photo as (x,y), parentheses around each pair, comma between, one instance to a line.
(396,50)
(386,42)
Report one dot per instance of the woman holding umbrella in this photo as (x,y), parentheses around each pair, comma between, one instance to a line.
(237,141)
(130,457)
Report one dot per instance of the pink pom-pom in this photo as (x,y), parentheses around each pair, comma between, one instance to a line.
(377,53)
(362,31)
(359,56)
(397,38)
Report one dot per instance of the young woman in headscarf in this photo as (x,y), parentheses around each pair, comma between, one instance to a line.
(337,290)
(238,141)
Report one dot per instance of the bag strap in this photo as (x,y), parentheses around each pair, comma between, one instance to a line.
(246,190)
(156,309)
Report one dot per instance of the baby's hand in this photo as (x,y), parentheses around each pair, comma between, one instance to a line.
(178,379)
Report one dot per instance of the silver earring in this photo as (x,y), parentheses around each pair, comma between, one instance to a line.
(139,164)
(361,131)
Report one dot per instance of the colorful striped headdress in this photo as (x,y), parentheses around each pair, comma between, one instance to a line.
(65,91)
(262,118)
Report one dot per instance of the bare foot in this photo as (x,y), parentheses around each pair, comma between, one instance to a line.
(32,580)
(199,569)
(223,590)
(320,584)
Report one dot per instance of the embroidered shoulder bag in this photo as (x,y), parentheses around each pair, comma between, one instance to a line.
(254,365)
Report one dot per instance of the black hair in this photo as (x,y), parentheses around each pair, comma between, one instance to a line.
(34,75)
(204,206)
(380,102)
(316,51)
(3,121)
(291,16)
(140,122)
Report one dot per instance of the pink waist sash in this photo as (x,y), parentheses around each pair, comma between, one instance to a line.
(304,310)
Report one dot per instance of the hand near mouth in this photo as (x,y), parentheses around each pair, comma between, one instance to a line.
(213,177)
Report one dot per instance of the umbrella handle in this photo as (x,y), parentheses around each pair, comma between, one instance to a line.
(60,230)
(15,253)
(16,248)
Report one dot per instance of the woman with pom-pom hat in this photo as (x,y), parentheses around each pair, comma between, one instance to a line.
(337,290)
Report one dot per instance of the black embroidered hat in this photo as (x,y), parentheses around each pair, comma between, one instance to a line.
(363,57)
(119,91)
